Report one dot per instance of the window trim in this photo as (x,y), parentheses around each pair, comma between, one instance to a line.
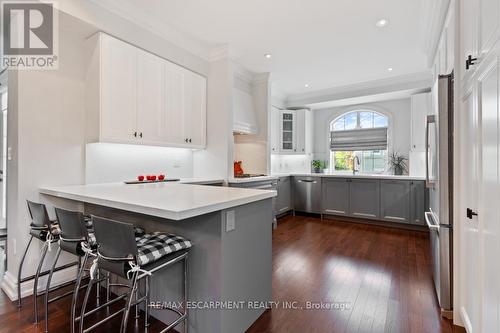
(366,107)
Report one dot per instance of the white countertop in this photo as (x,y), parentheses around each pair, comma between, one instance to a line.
(250,179)
(174,200)
(350,175)
(201,181)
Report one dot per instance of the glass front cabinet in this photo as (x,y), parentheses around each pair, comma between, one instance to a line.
(288,130)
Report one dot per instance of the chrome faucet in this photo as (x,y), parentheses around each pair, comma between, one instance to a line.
(355,164)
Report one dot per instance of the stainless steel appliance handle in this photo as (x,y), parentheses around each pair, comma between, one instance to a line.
(432,226)
(263,187)
(307,181)
(431,119)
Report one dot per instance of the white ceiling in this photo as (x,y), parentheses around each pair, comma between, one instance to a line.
(324,43)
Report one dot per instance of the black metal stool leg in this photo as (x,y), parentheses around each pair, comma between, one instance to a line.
(136,307)
(47,288)
(75,294)
(35,285)
(129,302)
(84,305)
(20,271)
(185,324)
(146,307)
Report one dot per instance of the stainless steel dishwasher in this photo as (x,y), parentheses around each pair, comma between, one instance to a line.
(307,194)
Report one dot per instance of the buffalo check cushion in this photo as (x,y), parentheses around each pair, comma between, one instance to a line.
(151,247)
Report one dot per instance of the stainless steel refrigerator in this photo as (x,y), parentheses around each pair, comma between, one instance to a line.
(439,181)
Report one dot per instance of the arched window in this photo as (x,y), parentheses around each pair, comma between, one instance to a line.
(361,133)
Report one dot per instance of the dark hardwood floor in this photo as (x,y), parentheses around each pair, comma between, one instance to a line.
(380,275)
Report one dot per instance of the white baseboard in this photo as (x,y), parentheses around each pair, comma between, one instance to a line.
(9,283)
(465,319)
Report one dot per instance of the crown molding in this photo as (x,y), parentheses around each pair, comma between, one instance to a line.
(411,82)
(436,13)
(135,15)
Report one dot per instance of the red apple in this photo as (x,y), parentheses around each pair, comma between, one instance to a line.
(140,178)
(148,177)
(153,178)
(161,177)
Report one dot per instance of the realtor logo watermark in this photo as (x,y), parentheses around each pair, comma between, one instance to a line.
(30,38)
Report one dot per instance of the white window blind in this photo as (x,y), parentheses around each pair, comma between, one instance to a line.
(359,139)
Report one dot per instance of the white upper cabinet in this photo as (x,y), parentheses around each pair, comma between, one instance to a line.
(420,108)
(136,97)
(118,91)
(149,109)
(275,130)
(291,131)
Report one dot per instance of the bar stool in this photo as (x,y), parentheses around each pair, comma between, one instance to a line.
(76,237)
(47,231)
(134,258)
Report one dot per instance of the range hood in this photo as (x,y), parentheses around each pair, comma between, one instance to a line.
(244,118)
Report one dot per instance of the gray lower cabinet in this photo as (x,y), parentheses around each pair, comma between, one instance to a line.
(364,198)
(335,196)
(284,198)
(418,201)
(395,200)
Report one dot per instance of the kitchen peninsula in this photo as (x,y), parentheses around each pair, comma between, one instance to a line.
(231,259)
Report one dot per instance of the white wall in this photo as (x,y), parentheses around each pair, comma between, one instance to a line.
(106,162)
(290,163)
(399,112)
(46,134)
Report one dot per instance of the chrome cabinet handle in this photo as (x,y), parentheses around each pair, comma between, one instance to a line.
(469,62)
(470,213)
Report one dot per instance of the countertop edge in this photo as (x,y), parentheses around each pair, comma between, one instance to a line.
(154,211)
(361,176)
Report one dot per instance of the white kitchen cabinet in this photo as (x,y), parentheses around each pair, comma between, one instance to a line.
(288,131)
(479,183)
(294,132)
(275,130)
(420,108)
(136,97)
(118,91)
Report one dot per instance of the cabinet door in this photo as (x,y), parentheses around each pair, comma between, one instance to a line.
(284,199)
(275,130)
(150,119)
(300,142)
(489,190)
(288,131)
(364,198)
(195,116)
(489,24)
(420,106)
(468,31)
(417,202)
(118,91)
(173,118)
(395,200)
(469,251)
(335,196)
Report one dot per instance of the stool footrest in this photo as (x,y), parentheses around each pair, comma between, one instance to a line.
(31,277)
(94,310)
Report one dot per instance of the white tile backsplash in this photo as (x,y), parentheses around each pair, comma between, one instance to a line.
(290,163)
(106,162)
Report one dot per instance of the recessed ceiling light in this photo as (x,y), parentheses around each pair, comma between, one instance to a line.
(268,55)
(389,69)
(306,85)
(382,23)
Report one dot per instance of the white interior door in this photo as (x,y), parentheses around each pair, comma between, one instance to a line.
(489,196)
(119,95)
(470,235)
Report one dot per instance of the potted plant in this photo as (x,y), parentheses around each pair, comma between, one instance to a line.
(398,163)
(319,166)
